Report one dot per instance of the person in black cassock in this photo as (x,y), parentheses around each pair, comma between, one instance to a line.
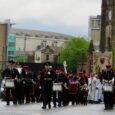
(108,76)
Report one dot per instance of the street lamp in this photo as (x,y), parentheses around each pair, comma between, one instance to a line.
(25,38)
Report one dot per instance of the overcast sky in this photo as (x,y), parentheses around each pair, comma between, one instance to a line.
(62,16)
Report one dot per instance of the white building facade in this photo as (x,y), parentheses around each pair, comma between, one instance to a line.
(29,41)
(94,30)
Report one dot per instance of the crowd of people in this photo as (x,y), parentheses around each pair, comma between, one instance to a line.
(56,86)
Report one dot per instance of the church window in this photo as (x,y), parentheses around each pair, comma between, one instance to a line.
(47,57)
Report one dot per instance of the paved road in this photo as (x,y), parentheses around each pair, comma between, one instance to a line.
(35,109)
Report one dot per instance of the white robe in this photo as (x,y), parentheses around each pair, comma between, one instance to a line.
(98,93)
(92,88)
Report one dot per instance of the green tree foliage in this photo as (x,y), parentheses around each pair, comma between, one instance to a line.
(74,52)
(90,53)
(21,58)
(91,47)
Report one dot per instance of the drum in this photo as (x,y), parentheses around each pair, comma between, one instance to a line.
(57,86)
(9,83)
(108,88)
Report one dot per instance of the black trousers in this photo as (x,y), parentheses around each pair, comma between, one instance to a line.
(18,92)
(46,99)
(57,97)
(38,94)
(8,95)
(27,93)
(65,98)
(108,99)
(11,95)
(73,98)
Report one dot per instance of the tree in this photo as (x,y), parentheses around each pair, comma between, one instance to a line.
(74,52)
(90,55)
(21,58)
(91,48)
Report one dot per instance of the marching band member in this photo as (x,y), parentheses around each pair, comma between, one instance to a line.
(11,74)
(108,78)
(19,83)
(28,75)
(73,89)
(85,93)
(46,83)
(82,80)
(57,88)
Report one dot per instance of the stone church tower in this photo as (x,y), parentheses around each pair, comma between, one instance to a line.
(107,42)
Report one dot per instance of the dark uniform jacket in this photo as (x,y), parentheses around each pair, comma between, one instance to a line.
(10,73)
(107,75)
(47,81)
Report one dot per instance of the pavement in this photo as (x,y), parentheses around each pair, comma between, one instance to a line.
(35,109)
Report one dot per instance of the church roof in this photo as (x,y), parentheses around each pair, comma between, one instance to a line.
(47,49)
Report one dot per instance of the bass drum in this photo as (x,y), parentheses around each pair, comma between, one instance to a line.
(57,86)
(108,87)
(9,83)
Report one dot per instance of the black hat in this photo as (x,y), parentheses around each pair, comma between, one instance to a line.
(18,63)
(26,67)
(80,73)
(47,63)
(11,62)
(108,66)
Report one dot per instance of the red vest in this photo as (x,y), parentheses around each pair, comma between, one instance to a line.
(73,87)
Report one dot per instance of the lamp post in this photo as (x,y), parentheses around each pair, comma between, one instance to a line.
(65,65)
(25,38)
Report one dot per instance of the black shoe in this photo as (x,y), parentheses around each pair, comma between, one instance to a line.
(54,106)
(43,107)
(19,102)
(22,101)
(110,108)
(106,108)
(85,103)
(49,106)
(59,105)
(14,103)
(7,104)
(33,101)
(27,102)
